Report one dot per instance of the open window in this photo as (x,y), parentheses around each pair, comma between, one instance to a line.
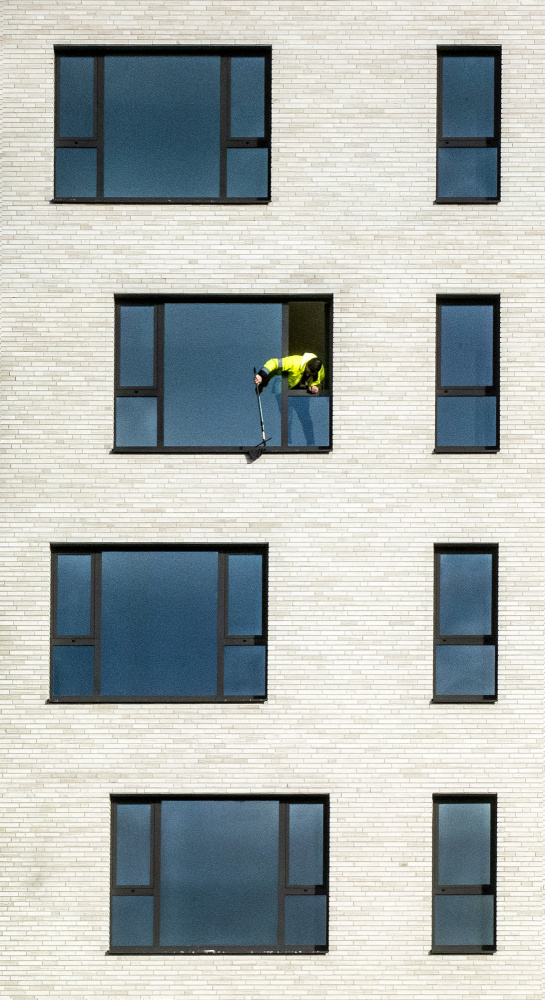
(185,370)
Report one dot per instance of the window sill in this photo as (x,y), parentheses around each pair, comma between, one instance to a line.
(485,949)
(467,201)
(159,201)
(160,700)
(311,950)
(276,450)
(483,699)
(492,450)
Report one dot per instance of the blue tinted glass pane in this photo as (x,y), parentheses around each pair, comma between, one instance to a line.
(73,595)
(465,670)
(244,671)
(308,420)
(211,349)
(136,422)
(247,173)
(247,97)
(245,615)
(75,173)
(133,843)
(466,345)
(466,422)
(463,920)
(464,843)
(306,921)
(161,126)
(468,96)
(465,603)
(219,873)
(306,853)
(136,325)
(132,921)
(73,671)
(467,173)
(159,623)
(76,75)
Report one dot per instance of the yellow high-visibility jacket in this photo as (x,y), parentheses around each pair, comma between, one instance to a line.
(294,365)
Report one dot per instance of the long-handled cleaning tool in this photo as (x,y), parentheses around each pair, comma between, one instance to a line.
(254,453)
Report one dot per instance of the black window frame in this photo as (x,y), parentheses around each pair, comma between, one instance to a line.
(223,637)
(454,391)
(446,142)
(465,640)
(285,889)
(157,391)
(489,889)
(98,52)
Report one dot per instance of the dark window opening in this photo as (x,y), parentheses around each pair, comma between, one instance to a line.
(163,124)
(185,373)
(158,624)
(468,123)
(468,374)
(464,874)
(228,875)
(465,623)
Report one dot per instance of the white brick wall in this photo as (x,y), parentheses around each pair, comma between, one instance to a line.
(350,664)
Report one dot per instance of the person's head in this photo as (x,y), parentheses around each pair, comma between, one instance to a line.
(313,366)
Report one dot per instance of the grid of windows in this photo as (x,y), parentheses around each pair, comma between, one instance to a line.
(222,874)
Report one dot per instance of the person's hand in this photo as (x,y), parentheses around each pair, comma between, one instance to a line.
(257,379)
(313,389)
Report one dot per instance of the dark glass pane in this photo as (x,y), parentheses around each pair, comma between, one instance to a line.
(244,671)
(467,173)
(465,670)
(247,97)
(73,671)
(161,126)
(306,921)
(308,420)
(211,349)
(465,604)
(466,345)
(159,623)
(75,173)
(245,615)
(468,96)
(306,853)
(219,873)
(133,843)
(463,920)
(136,345)
(132,921)
(76,102)
(73,595)
(464,843)
(466,422)
(247,173)
(136,422)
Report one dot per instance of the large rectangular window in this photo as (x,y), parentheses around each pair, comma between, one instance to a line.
(468,373)
(219,874)
(176,124)
(158,624)
(468,123)
(465,623)
(185,373)
(464,873)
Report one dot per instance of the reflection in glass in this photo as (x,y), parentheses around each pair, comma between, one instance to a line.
(136,422)
(72,671)
(75,173)
(133,843)
(76,98)
(247,173)
(132,921)
(465,601)
(219,873)
(306,921)
(247,97)
(464,843)
(466,345)
(308,421)
(463,921)
(136,342)
(466,422)
(306,843)
(244,671)
(245,614)
(467,172)
(465,670)
(73,595)
(468,96)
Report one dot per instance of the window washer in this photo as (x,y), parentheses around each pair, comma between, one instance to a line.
(304,371)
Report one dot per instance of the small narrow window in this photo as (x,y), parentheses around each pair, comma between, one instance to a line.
(464,874)
(468,374)
(225,875)
(163,124)
(185,373)
(466,623)
(468,123)
(167,624)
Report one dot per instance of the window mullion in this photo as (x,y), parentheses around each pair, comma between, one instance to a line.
(99,122)
(223,605)
(159,374)
(283,844)
(225,119)
(96,570)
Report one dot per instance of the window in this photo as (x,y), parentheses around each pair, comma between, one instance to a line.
(464,873)
(158,624)
(218,874)
(162,124)
(465,623)
(468,123)
(185,371)
(468,373)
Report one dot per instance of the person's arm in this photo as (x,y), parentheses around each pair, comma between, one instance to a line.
(269,369)
(316,385)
